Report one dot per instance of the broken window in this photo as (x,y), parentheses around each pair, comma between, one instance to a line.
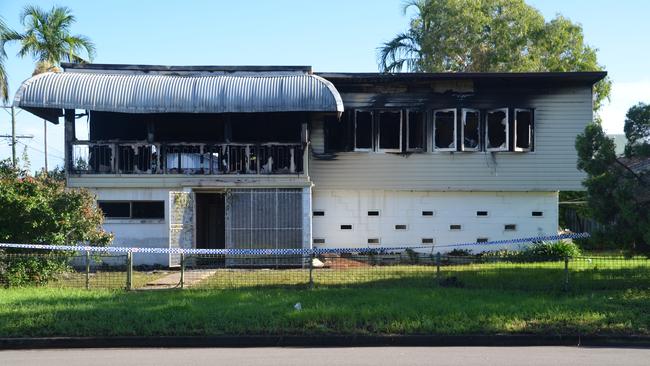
(362,130)
(148,209)
(523,129)
(444,130)
(471,130)
(496,130)
(115,209)
(390,131)
(133,209)
(415,131)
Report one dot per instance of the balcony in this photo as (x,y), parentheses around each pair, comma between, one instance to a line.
(123,157)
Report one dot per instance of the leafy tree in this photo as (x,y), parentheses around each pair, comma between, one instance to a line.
(48,40)
(489,36)
(617,197)
(637,131)
(41,210)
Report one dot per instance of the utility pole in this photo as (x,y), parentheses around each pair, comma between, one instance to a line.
(13,136)
(45,143)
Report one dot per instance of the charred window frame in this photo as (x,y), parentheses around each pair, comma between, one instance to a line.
(416,135)
(444,129)
(523,129)
(389,130)
(363,130)
(471,130)
(497,130)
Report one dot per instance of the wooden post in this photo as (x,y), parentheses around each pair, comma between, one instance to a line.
(566,273)
(129,271)
(182,270)
(438,266)
(311,270)
(87,270)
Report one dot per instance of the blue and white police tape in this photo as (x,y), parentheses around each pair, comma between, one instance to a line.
(285,251)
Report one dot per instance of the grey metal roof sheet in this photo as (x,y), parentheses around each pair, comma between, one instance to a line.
(155,93)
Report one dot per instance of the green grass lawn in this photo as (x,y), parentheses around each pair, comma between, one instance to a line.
(605,297)
(26,312)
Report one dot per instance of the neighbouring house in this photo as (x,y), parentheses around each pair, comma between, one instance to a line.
(281,157)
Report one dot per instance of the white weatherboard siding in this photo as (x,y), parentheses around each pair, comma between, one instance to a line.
(139,233)
(343,207)
(559,117)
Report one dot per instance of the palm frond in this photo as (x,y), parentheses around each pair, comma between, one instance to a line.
(401,51)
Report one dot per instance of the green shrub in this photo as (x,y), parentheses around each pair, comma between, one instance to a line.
(30,269)
(460,253)
(42,210)
(553,250)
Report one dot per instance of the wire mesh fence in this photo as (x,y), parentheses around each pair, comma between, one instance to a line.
(347,269)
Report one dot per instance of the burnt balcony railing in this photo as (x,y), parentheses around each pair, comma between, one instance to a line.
(203,159)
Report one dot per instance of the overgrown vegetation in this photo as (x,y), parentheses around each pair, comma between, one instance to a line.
(40,210)
(618,195)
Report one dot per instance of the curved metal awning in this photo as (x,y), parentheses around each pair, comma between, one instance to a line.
(46,95)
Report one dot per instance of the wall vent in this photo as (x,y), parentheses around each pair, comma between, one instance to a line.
(538,213)
(427,213)
(373,241)
(401,227)
(346,227)
(455,227)
(510,227)
(373,213)
(318,213)
(427,240)
(319,240)
(481,213)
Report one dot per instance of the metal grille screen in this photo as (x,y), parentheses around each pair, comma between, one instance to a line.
(263,218)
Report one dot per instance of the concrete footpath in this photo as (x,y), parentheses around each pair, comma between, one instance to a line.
(384,356)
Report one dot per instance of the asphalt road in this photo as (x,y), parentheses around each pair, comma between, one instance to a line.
(465,356)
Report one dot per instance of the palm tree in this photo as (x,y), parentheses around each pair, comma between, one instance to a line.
(4,83)
(405,50)
(48,40)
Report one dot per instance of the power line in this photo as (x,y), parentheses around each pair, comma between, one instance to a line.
(40,151)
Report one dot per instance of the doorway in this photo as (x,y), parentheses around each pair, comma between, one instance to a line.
(210,221)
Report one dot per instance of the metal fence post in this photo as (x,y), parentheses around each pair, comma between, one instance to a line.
(438,266)
(182,270)
(566,273)
(129,271)
(311,270)
(87,270)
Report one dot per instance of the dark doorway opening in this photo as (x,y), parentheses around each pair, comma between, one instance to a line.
(210,221)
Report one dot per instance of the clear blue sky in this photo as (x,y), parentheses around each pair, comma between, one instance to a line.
(332,35)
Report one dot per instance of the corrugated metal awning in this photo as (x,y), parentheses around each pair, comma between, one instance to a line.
(47,94)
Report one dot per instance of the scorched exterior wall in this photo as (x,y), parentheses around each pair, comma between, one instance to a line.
(560,115)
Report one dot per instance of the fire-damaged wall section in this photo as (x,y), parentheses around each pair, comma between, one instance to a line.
(270,218)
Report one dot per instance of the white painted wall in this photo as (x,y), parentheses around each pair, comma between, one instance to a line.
(139,233)
(405,207)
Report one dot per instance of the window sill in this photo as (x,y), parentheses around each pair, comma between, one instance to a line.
(134,221)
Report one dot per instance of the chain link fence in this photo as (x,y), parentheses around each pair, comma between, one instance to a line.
(403,269)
